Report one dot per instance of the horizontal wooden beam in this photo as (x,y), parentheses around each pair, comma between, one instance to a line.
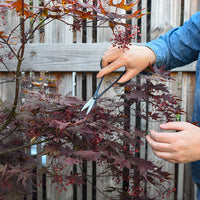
(187,68)
(77,57)
(57,57)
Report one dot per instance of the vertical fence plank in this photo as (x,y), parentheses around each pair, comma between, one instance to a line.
(49,31)
(39,181)
(194,6)
(169,167)
(36,36)
(188,88)
(163,17)
(68,36)
(107,181)
(104,32)
(154,18)
(180,188)
(65,83)
(7,87)
(187,8)
(89,30)
(190,7)
(79,34)
(79,85)
(144,22)
(79,88)
(176,89)
(65,88)
(175,8)
(58,31)
(144,127)
(89,94)
(11,22)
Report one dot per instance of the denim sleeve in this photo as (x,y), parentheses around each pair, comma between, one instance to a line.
(180,46)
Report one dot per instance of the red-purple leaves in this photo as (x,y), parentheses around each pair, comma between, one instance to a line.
(70,137)
(153,91)
(87,155)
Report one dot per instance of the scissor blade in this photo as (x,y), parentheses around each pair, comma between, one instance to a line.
(92,102)
(87,104)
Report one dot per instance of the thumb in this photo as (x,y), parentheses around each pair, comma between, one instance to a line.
(179,126)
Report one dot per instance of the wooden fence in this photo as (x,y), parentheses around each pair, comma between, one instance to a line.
(73,59)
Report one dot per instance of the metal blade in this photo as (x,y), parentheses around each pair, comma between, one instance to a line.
(87,104)
(91,105)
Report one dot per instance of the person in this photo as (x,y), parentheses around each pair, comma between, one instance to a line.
(178,47)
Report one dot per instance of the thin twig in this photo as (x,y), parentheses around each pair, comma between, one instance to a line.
(19,56)
(39,26)
(9,46)
(7,67)
(9,134)
(8,81)
(99,190)
(25,146)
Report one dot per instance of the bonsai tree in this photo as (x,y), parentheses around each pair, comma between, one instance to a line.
(69,136)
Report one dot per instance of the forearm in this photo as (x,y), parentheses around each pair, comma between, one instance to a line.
(180,46)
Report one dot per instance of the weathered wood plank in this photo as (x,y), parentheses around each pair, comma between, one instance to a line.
(66,58)
(107,181)
(176,89)
(187,10)
(169,167)
(36,36)
(79,85)
(39,175)
(89,94)
(175,13)
(188,85)
(60,57)
(144,22)
(7,87)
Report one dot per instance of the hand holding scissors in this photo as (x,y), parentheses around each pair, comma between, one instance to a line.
(89,105)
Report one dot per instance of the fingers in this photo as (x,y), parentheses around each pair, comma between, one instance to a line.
(162,137)
(176,147)
(127,76)
(111,50)
(179,126)
(111,55)
(168,156)
(158,146)
(162,150)
(110,67)
(135,59)
(111,61)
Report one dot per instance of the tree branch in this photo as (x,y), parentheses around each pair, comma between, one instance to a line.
(9,46)
(8,81)
(1,58)
(9,134)
(25,146)
(20,55)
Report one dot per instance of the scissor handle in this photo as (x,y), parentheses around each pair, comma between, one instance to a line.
(96,95)
(117,78)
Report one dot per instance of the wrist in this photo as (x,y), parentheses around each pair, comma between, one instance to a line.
(150,55)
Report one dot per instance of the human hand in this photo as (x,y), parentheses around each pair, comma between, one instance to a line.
(176,147)
(135,59)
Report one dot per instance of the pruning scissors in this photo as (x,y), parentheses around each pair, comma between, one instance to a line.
(89,105)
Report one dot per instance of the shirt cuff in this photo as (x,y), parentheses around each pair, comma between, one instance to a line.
(157,51)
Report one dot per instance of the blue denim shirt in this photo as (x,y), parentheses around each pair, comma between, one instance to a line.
(179,47)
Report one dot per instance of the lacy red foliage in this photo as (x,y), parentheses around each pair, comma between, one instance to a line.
(70,137)
(80,12)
